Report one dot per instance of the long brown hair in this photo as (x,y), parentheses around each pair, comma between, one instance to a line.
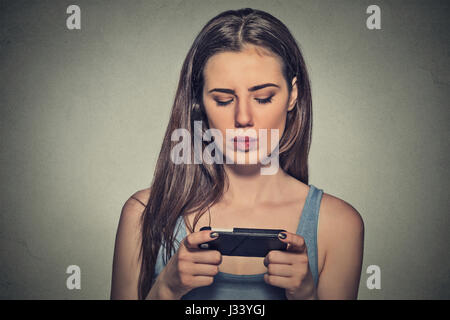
(180,189)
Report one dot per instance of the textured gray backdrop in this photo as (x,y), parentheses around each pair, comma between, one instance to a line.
(83,114)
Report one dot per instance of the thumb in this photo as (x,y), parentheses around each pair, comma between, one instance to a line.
(296,243)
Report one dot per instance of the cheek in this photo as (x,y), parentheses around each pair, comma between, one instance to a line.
(218,120)
(274,120)
(211,115)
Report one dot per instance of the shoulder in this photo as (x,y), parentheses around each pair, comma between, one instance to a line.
(339,220)
(134,206)
(141,196)
(339,211)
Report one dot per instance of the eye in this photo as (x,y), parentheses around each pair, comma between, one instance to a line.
(260,101)
(266,100)
(223,103)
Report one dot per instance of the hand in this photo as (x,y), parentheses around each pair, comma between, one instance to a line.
(290,269)
(191,267)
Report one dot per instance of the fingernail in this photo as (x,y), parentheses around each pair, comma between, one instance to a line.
(213,234)
(282,235)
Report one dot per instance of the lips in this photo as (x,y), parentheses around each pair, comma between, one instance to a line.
(244,143)
(245,139)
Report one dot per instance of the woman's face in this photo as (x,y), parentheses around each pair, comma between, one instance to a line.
(246,90)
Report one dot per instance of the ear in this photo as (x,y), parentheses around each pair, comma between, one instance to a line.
(293,98)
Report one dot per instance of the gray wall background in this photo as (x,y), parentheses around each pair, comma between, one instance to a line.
(83,113)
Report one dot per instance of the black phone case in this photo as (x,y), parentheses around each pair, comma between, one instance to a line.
(245,242)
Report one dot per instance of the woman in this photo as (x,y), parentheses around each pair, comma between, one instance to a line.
(244,71)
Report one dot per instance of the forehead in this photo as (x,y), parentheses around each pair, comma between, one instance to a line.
(253,64)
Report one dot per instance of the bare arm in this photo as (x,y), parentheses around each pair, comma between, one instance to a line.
(198,267)
(126,262)
(343,230)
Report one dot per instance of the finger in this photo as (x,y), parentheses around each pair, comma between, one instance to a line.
(202,281)
(205,270)
(277,257)
(282,270)
(213,257)
(277,281)
(295,242)
(193,240)
(199,269)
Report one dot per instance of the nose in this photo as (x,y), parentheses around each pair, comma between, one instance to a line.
(243,115)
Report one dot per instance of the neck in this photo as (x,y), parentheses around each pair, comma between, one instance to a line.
(248,187)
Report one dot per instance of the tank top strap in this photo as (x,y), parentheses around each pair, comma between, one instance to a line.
(180,229)
(308,226)
(180,234)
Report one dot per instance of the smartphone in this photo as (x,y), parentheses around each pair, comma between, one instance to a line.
(244,242)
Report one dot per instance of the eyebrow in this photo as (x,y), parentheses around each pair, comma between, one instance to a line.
(254,88)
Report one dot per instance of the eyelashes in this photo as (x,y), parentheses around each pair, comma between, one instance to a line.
(260,101)
(266,100)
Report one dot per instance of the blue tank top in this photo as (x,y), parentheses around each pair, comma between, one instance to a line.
(227,286)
